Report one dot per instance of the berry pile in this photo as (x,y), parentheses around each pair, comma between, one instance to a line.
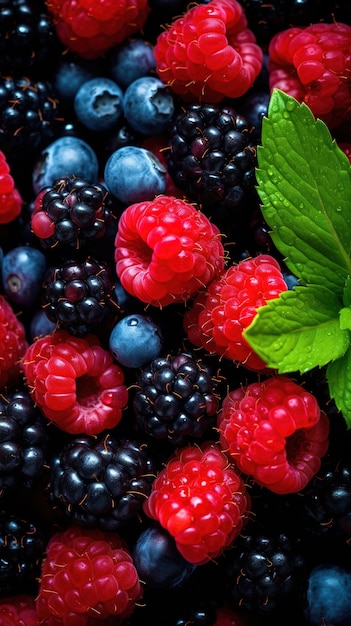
(154,468)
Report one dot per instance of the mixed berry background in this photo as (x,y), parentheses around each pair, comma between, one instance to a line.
(152,468)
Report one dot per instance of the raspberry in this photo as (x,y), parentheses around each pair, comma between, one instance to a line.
(13,344)
(75,382)
(313,65)
(200,500)
(87,577)
(209,53)
(218,316)
(91,28)
(10,198)
(274,431)
(166,250)
(18,610)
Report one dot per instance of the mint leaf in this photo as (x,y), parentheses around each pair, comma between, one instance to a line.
(304,182)
(347,292)
(339,382)
(299,330)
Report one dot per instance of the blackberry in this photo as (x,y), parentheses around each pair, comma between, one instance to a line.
(101,481)
(71,213)
(28,39)
(77,294)
(176,398)
(211,156)
(263,569)
(29,120)
(21,551)
(23,442)
(327,500)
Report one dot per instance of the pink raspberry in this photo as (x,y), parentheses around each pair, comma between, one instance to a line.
(209,53)
(13,344)
(18,611)
(313,64)
(166,250)
(275,432)
(220,314)
(87,577)
(10,198)
(90,27)
(200,500)
(75,382)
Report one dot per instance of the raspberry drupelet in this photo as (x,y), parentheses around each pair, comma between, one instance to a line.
(11,201)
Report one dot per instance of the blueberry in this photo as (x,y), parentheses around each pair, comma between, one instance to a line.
(328,596)
(66,156)
(22,273)
(98,104)
(40,325)
(70,75)
(148,105)
(130,60)
(133,174)
(158,561)
(135,340)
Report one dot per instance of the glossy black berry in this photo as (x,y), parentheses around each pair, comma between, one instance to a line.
(79,213)
(212,158)
(29,119)
(21,551)
(28,41)
(101,481)
(176,398)
(23,442)
(78,294)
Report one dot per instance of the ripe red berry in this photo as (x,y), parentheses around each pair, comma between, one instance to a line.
(75,382)
(87,577)
(13,344)
(313,65)
(10,198)
(166,250)
(209,53)
(220,314)
(18,610)
(91,28)
(200,500)
(275,432)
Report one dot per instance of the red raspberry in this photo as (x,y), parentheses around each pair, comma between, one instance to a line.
(200,500)
(75,382)
(166,250)
(219,315)
(313,65)
(90,28)
(209,53)
(87,577)
(274,431)
(10,198)
(13,344)
(18,611)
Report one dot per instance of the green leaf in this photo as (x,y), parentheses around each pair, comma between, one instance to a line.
(347,292)
(339,382)
(304,182)
(299,330)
